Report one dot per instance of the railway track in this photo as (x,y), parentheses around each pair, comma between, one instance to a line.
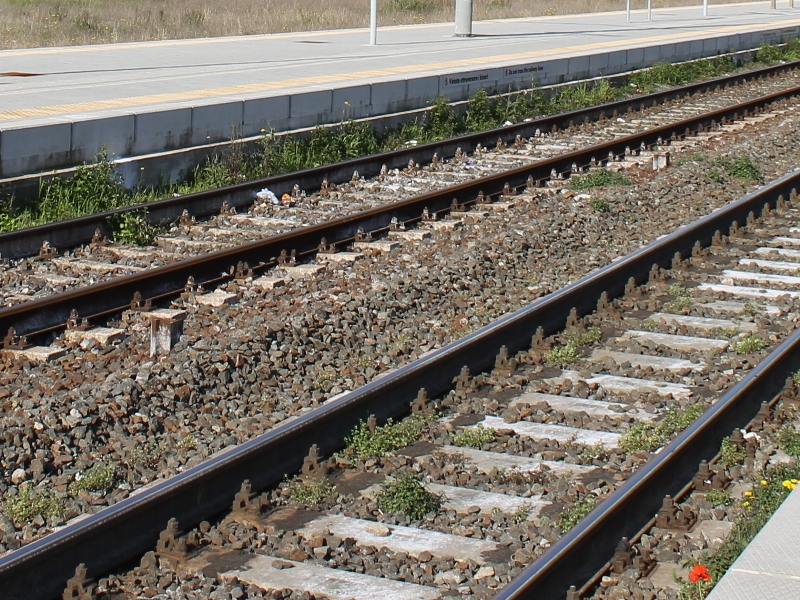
(55,312)
(37,279)
(479,212)
(552,419)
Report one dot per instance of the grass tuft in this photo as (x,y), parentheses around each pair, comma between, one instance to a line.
(730,454)
(31,501)
(99,478)
(475,437)
(650,436)
(597,178)
(310,490)
(571,516)
(407,495)
(363,443)
(789,440)
(749,344)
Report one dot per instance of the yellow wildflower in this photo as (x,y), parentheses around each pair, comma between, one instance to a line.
(745,503)
(748,494)
(763,482)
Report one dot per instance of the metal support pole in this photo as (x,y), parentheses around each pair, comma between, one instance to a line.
(463,18)
(627,11)
(373,22)
(774,4)
(705,8)
(649,10)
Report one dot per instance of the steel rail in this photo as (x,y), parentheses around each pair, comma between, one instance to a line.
(579,555)
(51,313)
(74,232)
(120,533)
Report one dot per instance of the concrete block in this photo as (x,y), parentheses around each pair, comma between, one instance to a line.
(265,113)
(455,92)
(710,46)
(31,149)
(617,61)
(724,44)
(683,51)
(525,75)
(651,55)
(634,58)
(217,122)
(578,67)
(421,90)
(598,64)
(310,109)
(696,49)
(163,130)
(116,134)
(388,96)
(666,52)
(351,102)
(491,87)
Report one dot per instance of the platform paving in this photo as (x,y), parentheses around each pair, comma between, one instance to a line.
(769,568)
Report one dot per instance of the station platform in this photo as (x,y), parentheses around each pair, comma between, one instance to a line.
(60,106)
(769,568)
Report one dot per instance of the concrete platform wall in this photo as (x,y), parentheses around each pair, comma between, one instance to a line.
(25,151)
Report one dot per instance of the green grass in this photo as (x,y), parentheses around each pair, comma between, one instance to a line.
(681,302)
(310,490)
(718,497)
(31,501)
(134,228)
(97,187)
(475,437)
(741,167)
(564,355)
(749,344)
(650,436)
(730,454)
(571,516)
(585,338)
(789,440)
(363,443)
(406,494)
(597,178)
(767,494)
(99,478)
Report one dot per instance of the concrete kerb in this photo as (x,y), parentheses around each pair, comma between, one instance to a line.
(354,102)
(118,133)
(266,114)
(388,96)
(162,130)
(216,122)
(310,108)
(26,150)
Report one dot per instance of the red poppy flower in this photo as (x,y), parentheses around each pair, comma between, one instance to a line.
(699,572)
